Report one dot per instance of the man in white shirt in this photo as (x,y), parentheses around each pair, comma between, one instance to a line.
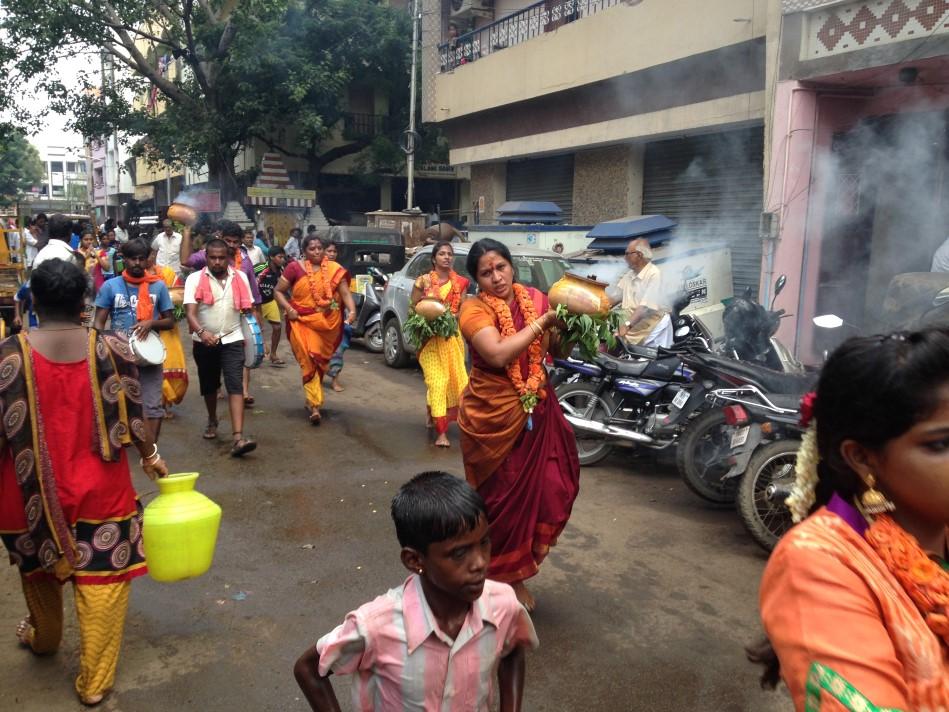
(941,258)
(166,248)
(215,323)
(641,290)
(31,241)
(60,231)
(292,248)
(121,234)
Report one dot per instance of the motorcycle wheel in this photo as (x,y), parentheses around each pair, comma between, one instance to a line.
(576,398)
(373,339)
(765,519)
(700,458)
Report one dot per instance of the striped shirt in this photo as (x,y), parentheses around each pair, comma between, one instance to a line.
(403,661)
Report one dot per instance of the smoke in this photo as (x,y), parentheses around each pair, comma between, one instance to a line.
(881,185)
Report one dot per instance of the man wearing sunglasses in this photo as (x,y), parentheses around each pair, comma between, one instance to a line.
(640,294)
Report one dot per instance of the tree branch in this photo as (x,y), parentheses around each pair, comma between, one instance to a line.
(206,6)
(276,147)
(192,57)
(333,154)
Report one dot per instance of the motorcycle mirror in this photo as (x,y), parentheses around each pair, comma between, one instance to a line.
(941,298)
(828,321)
(780,284)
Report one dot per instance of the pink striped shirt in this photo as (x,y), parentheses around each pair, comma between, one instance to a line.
(403,661)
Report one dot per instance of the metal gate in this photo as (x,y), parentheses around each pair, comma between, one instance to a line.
(712,186)
(543,179)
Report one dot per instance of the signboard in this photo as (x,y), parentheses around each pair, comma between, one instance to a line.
(205,201)
(144,192)
(281,197)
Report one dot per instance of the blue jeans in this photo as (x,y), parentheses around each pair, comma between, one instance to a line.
(336,362)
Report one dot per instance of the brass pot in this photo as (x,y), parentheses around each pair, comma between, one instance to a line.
(430,308)
(182,213)
(177,295)
(580,295)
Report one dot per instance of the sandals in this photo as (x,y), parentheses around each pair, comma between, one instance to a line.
(210,432)
(249,400)
(242,445)
(277,362)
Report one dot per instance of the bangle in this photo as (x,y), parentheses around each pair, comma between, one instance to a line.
(150,460)
(153,452)
(535,327)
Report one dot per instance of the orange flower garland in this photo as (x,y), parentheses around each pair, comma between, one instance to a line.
(325,301)
(925,581)
(453,301)
(528,389)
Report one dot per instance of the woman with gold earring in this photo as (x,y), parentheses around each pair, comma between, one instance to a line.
(855,598)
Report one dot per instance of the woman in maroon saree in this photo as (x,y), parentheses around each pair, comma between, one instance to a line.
(523,464)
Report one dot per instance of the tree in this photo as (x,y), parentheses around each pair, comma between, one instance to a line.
(249,69)
(20,166)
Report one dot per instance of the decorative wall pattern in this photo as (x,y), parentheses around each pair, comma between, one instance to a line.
(871,23)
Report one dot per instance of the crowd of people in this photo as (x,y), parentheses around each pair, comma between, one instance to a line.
(854,600)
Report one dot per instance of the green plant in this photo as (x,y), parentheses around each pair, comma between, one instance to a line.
(587,331)
(418,330)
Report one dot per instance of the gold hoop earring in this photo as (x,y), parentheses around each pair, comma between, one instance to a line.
(873,501)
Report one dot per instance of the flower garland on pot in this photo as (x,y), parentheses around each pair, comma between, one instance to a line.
(527,389)
(326,300)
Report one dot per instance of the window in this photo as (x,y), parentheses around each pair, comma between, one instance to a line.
(58,190)
(82,166)
(422,263)
(56,167)
(70,167)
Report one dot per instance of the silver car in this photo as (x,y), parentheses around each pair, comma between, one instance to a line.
(535,268)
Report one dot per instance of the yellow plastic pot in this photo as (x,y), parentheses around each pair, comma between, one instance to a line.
(179,529)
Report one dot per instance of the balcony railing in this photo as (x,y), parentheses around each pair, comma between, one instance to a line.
(518,27)
(361,126)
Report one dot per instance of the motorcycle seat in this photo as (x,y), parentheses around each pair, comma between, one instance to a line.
(623,367)
(771,381)
(787,401)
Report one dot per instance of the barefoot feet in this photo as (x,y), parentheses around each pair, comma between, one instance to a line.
(442,440)
(336,385)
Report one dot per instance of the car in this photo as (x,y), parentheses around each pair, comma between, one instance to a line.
(534,268)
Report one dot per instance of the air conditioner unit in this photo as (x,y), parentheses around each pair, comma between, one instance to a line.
(471,8)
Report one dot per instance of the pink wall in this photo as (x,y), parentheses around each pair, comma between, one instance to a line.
(798,136)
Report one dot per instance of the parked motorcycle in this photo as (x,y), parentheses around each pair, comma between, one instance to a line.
(623,400)
(705,457)
(368,324)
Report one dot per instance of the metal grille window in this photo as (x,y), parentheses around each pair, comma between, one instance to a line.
(543,179)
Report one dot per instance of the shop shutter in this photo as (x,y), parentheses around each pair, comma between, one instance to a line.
(711,185)
(543,179)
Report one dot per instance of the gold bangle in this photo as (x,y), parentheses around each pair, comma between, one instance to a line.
(535,327)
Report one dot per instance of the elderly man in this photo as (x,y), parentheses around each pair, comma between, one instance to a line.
(166,247)
(641,294)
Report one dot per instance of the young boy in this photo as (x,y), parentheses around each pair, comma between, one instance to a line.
(439,640)
(267,282)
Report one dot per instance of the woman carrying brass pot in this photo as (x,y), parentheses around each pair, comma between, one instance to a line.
(442,358)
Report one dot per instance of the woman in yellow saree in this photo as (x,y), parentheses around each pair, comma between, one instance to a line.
(174,371)
(442,359)
(312,292)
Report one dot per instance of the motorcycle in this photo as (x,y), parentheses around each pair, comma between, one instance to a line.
(705,457)
(368,324)
(623,400)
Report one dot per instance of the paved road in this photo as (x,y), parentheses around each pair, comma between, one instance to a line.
(644,605)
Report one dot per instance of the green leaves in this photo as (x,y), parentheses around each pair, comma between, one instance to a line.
(418,330)
(20,166)
(587,331)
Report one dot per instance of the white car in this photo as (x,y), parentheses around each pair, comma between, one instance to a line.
(532,267)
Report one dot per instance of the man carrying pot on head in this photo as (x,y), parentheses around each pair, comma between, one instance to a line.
(138,303)
(640,295)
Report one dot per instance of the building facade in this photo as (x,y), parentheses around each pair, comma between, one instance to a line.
(858,157)
(112,187)
(609,108)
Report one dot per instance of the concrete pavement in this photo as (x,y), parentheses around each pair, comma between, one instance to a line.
(645,604)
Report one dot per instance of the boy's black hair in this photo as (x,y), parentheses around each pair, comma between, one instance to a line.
(231,229)
(58,289)
(274,251)
(434,506)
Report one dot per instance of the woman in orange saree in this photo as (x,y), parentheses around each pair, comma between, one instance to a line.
(854,598)
(519,451)
(174,370)
(312,292)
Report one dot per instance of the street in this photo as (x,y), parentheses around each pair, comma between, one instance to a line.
(645,604)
